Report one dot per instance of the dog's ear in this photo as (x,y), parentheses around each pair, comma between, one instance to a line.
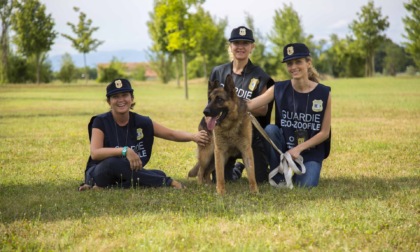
(230,86)
(213,85)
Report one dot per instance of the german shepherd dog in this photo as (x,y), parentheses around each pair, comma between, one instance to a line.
(229,126)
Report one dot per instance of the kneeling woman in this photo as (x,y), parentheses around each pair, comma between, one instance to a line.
(121,144)
(303,116)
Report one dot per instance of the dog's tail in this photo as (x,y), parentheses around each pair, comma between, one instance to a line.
(194,171)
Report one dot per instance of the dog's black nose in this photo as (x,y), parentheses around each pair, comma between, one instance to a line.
(206,112)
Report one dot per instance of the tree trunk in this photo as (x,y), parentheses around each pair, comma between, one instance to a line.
(177,71)
(204,66)
(86,70)
(38,68)
(4,52)
(184,64)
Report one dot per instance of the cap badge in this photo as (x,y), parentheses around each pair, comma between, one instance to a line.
(290,50)
(118,84)
(242,31)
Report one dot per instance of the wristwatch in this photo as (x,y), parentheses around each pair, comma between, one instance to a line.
(124,151)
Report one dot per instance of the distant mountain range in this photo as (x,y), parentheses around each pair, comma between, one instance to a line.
(93,58)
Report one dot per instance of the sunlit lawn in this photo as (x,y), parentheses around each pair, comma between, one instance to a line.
(367,200)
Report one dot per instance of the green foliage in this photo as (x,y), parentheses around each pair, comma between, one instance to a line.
(113,71)
(139,73)
(5,20)
(68,71)
(24,70)
(395,59)
(412,28)
(369,29)
(287,29)
(83,41)
(367,199)
(259,56)
(34,31)
(162,64)
(411,70)
(210,42)
(343,58)
(17,71)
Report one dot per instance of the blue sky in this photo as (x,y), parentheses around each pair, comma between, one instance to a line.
(122,23)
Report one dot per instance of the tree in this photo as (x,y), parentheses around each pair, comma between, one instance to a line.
(343,57)
(258,55)
(161,60)
(5,18)
(113,71)
(68,70)
(83,42)
(209,37)
(287,29)
(412,27)
(34,31)
(179,29)
(368,29)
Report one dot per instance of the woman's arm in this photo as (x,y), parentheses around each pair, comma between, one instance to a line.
(261,111)
(320,137)
(97,150)
(161,131)
(261,100)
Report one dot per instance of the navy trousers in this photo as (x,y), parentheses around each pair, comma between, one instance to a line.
(116,172)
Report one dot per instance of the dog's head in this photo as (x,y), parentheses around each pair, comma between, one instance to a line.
(222,97)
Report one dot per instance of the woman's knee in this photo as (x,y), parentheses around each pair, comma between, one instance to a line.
(312,175)
(272,130)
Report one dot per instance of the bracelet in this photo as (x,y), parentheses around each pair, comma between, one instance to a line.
(124,151)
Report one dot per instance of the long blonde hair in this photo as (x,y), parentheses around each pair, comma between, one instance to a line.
(313,74)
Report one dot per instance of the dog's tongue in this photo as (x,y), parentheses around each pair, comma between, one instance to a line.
(211,122)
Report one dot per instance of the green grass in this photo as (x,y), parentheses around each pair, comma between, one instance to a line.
(367,200)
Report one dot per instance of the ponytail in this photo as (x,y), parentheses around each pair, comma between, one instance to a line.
(313,74)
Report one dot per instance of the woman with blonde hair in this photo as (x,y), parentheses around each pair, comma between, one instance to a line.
(303,116)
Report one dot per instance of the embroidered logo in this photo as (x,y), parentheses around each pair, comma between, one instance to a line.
(140,134)
(253,84)
(317,105)
(118,84)
(290,50)
(242,31)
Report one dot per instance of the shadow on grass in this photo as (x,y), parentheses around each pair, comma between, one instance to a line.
(51,202)
(33,115)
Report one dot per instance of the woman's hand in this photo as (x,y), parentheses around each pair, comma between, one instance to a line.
(295,152)
(201,138)
(134,159)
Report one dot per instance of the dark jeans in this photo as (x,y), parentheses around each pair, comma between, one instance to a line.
(116,172)
(313,168)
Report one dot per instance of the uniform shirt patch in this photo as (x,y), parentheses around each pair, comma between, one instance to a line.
(253,84)
(317,105)
(140,134)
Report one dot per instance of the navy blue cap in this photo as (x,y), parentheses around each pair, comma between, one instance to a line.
(295,51)
(241,33)
(118,86)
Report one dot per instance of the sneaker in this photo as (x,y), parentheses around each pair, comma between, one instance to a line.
(237,171)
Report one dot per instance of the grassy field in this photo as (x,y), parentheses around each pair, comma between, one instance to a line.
(367,200)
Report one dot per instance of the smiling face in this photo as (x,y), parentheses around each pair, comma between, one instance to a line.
(241,49)
(298,68)
(121,102)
